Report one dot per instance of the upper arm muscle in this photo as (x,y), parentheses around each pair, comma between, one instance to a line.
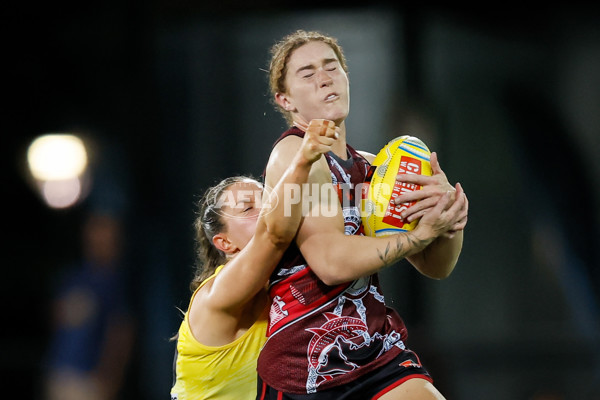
(322,214)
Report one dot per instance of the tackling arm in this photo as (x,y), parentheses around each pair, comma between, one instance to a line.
(276,226)
(223,302)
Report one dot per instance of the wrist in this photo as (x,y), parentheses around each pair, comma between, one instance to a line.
(420,238)
(300,161)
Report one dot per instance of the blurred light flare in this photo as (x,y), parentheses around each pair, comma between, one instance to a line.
(57,157)
(61,193)
(58,164)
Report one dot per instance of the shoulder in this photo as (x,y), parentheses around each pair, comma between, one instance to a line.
(283,151)
(292,132)
(200,307)
(281,157)
(288,141)
(200,294)
(203,291)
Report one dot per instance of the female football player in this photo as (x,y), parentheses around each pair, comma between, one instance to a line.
(330,334)
(239,244)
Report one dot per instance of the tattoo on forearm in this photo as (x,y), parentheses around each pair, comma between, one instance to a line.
(400,250)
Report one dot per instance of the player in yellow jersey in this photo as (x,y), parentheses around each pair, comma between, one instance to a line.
(239,245)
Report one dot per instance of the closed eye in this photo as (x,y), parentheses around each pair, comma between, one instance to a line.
(331,65)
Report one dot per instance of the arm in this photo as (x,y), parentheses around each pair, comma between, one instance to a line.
(438,259)
(336,257)
(283,202)
(221,302)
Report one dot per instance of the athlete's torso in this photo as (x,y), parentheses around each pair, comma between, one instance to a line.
(222,372)
(323,336)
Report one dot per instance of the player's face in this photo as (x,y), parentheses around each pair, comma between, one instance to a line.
(240,207)
(317,85)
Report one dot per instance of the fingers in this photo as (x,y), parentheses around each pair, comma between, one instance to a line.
(338,131)
(442,214)
(464,211)
(322,127)
(430,188)
(322,132)
(461,199)
(416,179)
(418,209)
(459,210)
(423,180)
(416,215)
(320,135)
(427,189)
(442,204)
(459,226)
(330,129)
(435,164)
(411,196)
(449,215)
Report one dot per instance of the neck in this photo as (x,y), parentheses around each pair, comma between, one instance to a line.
(339,147)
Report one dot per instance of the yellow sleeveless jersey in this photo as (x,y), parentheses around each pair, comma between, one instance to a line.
(225,372)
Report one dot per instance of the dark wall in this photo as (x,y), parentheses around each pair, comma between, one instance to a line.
(492,91)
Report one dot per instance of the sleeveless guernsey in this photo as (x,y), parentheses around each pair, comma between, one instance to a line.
(322,336)
(224,372)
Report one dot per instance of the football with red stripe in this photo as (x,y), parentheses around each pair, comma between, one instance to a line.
(404,154)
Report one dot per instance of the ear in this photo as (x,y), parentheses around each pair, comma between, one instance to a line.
(284,102)
(222,242)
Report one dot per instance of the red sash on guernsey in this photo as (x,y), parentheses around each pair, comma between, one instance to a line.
(322,336)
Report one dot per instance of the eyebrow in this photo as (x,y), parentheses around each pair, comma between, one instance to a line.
(245,200)
(310,66)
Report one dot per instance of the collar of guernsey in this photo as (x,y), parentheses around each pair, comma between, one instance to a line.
(227,371)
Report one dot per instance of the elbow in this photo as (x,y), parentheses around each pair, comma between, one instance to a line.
(280,233)
(438,272)
(439,276)
(339,279)
(280,239)
(280,242)
(331,280)
(331,273)
(435,265)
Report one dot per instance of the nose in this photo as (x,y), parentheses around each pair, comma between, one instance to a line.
(324,78)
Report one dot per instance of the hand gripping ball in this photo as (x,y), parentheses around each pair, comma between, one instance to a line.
(404,154)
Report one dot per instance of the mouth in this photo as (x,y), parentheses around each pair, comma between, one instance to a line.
(331,97)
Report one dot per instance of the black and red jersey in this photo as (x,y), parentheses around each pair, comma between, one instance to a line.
(322,336)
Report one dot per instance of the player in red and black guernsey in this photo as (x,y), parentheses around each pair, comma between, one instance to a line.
(330,334)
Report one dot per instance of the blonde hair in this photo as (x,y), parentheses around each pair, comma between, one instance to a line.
(280,55)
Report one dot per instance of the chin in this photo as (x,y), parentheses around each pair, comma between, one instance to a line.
(338,119)
(338,115)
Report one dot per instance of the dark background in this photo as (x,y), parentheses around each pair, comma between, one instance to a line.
(173,96)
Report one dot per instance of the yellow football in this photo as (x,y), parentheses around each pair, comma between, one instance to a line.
(404,154)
